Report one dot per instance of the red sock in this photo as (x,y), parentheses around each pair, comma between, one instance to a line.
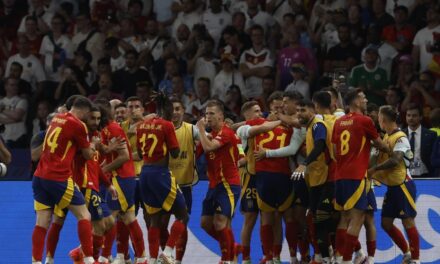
(267,235)
(261,240)
(232,249)
(371,248)
(246,252)
(225,244)
(137,238)
(181,245)
(153,241)
(97,245)
(164,235)
(177,230)
(85,237)
(414,243)
(109,237)
(52,239)
(357,246)
(122,237)
(350,242)
(312,233)
(213,233)
(277,250)
(303,245)
(292,237)
(398,238)
(340,240)
(38,237)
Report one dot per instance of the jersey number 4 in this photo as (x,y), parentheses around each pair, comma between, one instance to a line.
(52,138)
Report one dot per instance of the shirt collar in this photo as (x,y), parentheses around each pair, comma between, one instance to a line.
(418,130)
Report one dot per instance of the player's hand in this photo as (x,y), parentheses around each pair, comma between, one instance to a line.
(201,124)
(241,162)
(259,154)
(299,173)
(112,190)
(150,116)
(116,144)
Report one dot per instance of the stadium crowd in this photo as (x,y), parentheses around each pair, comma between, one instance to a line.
(285,60)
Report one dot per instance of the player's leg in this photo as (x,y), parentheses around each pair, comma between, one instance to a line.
(39,234)
(53,236)
(413,238)
(164,233)
(249,209)
(370,229)
(408,193)
(277,235)
(300,205)
(181,243)
(250,218)
(154,235)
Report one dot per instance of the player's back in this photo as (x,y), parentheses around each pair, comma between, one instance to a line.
(352,134)
(155,137)
(65,135)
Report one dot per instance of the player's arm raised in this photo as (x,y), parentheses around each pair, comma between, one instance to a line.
(207,144)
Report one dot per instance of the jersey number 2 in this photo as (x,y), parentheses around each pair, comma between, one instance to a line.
(281,138)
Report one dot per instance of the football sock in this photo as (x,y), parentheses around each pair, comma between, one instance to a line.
(122,237)
(398,238)
(164,235)
(97,245)
(109,237)
(322,237)
(357,246)
(277,251)
(177,230)
(340,240)
(225,244)
(52,239)
(38,237)
(267,235)
(137,239)
(371,248)
(153,241)
(414,243)
(246,252)
(292,237)
(181,245)
(85,237)
(213,233)
(350,242)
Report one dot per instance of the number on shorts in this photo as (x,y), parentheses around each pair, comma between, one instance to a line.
(345,138)
(251,193)
(95,200)
(52,138)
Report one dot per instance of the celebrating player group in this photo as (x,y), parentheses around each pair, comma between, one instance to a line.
(307,163)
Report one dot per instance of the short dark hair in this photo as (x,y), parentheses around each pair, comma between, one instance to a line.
(435,117)
(371,107)
(293,95)
(131,52)
(216,103)
(94,108)
(132,99)
(70,101)
(277,95)
(323,99)
(17,64)
(205,79)
(352,95)
(178,101)
(82,102)
(256,27)
(306,103)
(120,105)
(332,90)
(414,106)
(389,112)
(134,2)
(248,105)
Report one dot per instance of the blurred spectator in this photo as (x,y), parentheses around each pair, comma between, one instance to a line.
(216,19)
(421,141)
(278,8)
(56,49)
(345,55)
(88,38)
(203,63)
(234,100)
(111,47)
(121,113)
(135,11)
(163,11)
(125,79)
(394,97)
(405,74)
(172,70)
(227,77)
(33,36)
(370,77)
(105,89)
(232,38)
(153,43)
(178,91)
(144,91)
(357,27)
(32,71)
(24,87)
(387,53)
(83,58)
(268,87)
(299,84)
(44,17)
(13,111)
(293,54)
(72,82)
(424,43)
(275,103)
(422,93)
(39,123)
(381,18)
(102,9)
(189,16)
(11,12)
(255,63)
(391,6)
(239,23)
(373,113)
(203,89)
(400,34)
(131,39)
(66,11)
(255,16)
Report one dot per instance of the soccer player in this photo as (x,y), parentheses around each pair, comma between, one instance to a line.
(88,175)
(352,135)
(119,164)
(399,201)
(156,141)
(183,166)
(224,180)
(53,185)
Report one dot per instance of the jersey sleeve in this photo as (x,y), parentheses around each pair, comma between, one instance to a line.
(170,137)
(243,132)
(80,135)
(116,132)
(402,145)
(319,132)
(223,138)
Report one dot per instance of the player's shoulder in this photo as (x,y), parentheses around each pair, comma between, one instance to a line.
(256,121)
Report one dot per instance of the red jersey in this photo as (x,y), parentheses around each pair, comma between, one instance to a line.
(222,162)
(110,132)
(154,138)
(88,174)
(352,134)
(277,138)
(65,136)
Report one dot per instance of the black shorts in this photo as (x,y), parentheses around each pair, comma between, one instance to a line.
(321,197)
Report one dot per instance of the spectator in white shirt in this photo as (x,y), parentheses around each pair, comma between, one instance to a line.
(203,64)
(44,16)
(299,84)
(111,48)
(32,69)
(255,16)
(13,111)
(189,16)
(197,106)
(227,77)
(153,43)
(216,19)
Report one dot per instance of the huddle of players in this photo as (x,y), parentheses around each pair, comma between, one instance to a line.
(325,180)
(332,182)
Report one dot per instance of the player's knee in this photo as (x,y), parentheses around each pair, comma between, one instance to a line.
(84,215)
(386,225)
